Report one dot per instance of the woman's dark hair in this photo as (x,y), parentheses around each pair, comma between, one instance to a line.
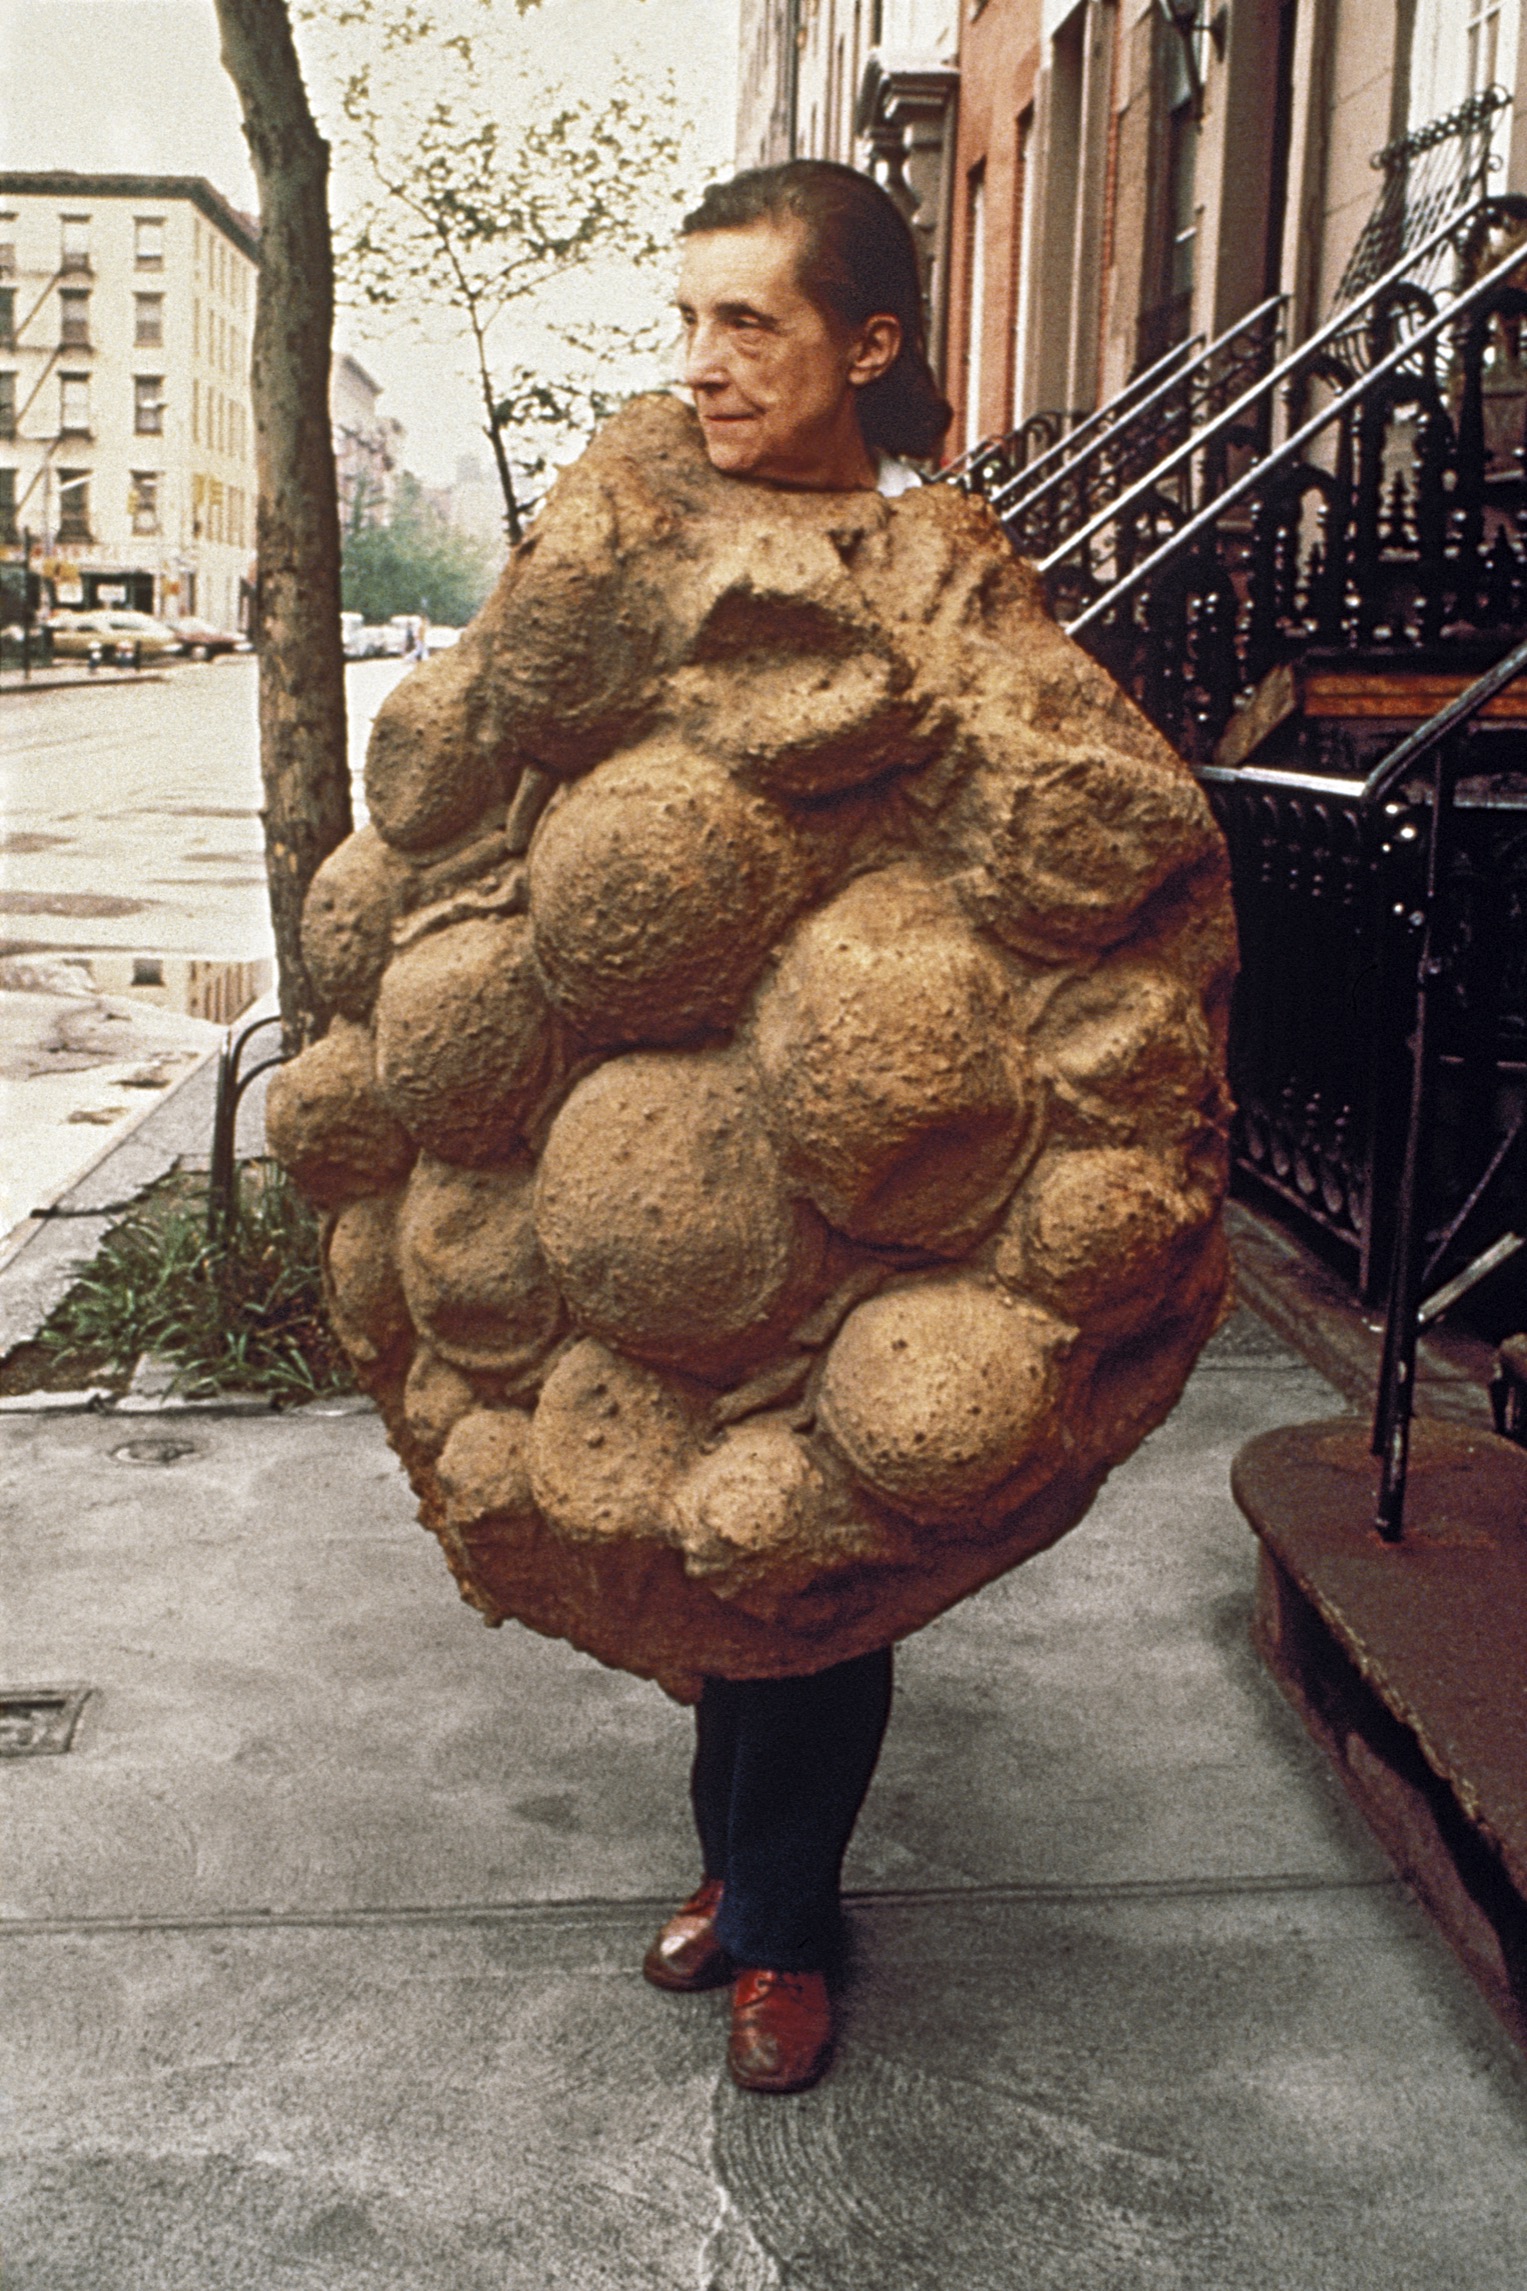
(858,259)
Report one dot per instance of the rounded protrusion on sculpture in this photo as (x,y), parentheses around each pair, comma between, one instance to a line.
(477,1285)
(607,1442)
(886,1046)
(326,1124)
(667,1219)
(347,921)
(431,764)
(464,1043)
(435,1398)
(1126,1048)
(484,1469)
(575,633)
(945,1393)
(760,1519)
(1100,1234)
(657,887)
(828,703)
(366,1302)
(1065,850)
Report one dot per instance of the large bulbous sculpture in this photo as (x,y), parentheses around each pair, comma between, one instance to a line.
(773,1128)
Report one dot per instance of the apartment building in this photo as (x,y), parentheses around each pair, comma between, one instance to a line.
(368,445)
(1130,173)
(126,435)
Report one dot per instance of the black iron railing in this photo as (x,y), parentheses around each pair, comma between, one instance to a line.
(1392,517)
(1075,483)
(1379,1043)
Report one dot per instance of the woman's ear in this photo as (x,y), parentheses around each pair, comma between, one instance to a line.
(876,350)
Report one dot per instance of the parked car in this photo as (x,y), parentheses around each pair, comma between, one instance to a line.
(363,640)
(112,635)
(199,640)
(437,637)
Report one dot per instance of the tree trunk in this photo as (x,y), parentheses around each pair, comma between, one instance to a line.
(303,759)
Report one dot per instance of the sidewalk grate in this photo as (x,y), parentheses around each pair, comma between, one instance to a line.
(39,1722)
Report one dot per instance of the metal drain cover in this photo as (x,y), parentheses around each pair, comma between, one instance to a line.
(39,1722)
(159,1450)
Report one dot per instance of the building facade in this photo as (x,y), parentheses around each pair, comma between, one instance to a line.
(1130,173)
(126,434)
(368,446)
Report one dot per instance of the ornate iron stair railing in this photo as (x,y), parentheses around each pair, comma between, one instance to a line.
(997,462)
(1191,588)
(1366,975)
(1040,506)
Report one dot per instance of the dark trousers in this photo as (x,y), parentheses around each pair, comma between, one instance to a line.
(781,1769)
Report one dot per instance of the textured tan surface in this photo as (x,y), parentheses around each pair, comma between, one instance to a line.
(775,1123)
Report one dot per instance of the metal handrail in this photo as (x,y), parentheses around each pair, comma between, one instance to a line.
(1419,744)
(1394,1400)
(1170,367)
(999,500)
(1340,323)
(1286,453)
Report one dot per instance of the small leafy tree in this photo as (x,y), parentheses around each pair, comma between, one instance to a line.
(416,562)
(483,214)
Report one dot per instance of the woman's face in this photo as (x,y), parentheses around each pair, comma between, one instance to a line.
(773,377)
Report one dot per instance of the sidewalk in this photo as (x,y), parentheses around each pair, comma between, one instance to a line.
(320,1945)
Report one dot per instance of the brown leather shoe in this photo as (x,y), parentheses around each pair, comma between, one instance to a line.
(686,1953)
(781,2030)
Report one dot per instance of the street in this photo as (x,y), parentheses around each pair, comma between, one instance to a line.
(132,898)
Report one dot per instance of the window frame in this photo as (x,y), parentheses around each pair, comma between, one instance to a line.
(143,406)
(78,384)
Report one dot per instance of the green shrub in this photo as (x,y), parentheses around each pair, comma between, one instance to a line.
(247,1316)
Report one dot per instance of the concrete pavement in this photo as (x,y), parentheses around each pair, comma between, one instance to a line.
(319,1947)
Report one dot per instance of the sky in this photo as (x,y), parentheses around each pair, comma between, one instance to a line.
(136,86)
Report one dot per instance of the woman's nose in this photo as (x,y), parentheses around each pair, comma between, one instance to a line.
(704,365)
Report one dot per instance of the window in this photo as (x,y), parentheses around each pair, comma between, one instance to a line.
(143,500)
(148,321)
(1023,245)
(74,318)
(148,970)
(74,253)
(74,405)
(7,245)
(7,318)
(148,405)
(148,252)
(74,505)
(8,505)
(7,405)
(975,308)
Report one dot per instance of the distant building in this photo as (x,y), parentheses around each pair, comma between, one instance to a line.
(477,502)
(368,446)
(126,433)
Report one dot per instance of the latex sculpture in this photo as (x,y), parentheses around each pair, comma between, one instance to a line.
(773,1128)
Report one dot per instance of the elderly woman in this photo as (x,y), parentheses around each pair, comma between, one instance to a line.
(804,351)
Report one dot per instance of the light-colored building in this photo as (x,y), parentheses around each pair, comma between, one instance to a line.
(368,445)
(126,435)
